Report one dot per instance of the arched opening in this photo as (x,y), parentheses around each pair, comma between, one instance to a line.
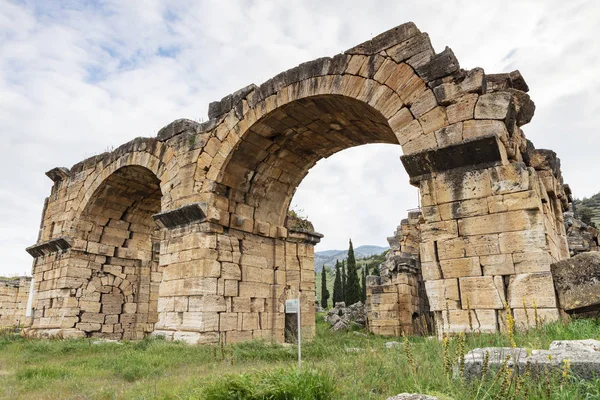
(277,152)
(119,300)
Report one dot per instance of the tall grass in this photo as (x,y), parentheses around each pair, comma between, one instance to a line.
(340,365)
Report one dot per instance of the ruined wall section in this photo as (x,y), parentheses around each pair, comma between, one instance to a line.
(396,299)
(14,294)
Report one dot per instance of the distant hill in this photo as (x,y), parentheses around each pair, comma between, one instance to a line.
(328,257)
(593,203)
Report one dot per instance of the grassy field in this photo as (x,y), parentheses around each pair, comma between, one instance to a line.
(345,365)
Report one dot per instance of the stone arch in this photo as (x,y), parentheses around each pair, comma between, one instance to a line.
(490,221)
(116,243)
(268,165)
(394,88)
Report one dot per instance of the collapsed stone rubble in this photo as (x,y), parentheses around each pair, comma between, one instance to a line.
(581,237)
(341,317)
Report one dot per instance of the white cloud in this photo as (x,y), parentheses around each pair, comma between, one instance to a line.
(76,79)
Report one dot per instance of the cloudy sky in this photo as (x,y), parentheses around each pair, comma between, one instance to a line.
(80,77)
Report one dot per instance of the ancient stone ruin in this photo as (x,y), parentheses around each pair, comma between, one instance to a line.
(14,294)
(396,299)
(184,234)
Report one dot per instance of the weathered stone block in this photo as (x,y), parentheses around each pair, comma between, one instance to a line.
(537,261)
(527,288)
(460,267)
(497,264)
(482,292)
(525,318)
(494,106)
(464,208)
(457,321)
(441,293)
(577,282)
(521,220)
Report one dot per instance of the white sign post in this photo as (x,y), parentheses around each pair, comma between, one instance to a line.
(291,307)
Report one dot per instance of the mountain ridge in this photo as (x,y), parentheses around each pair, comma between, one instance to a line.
(328,257)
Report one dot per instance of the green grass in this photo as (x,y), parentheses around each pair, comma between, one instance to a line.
(332,368)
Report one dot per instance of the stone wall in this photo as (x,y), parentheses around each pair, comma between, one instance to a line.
(396,299)
(488,239)
(14,294)
(149,237)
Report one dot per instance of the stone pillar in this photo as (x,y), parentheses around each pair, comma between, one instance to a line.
(486,241)
(226,285)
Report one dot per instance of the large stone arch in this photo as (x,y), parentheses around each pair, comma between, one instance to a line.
(491,220)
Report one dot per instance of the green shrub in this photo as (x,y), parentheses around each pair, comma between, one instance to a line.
(280,384)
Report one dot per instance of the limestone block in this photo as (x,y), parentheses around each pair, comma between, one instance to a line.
(538,261)
(253,289)
(525,288)
(463,109)
(522,241)
(420,143)
(496,105)
(192,269)
(90,306)
(519,220)
(231,287)
(237,336)
(514,201)
(525,318)
(497,264)
(207,302)
(438,230)
(462,185)
(577,281)
(449,135)
(187,337)
(470,246)
(249,321)
(510,178)
(460,267)
(464,208)
(130,308)
(442,292)
(88,327)
(456,321)
(200,321)
(482,292)
(228,321)
(473,129)
(241,304)
(431,270)
(399,120)
(427,251)
(189,286)
(434,120)
(231,271)
(408,132)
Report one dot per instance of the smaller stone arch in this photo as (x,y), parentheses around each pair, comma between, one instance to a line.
(112,305)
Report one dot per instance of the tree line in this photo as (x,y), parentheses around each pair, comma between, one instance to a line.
(347,286)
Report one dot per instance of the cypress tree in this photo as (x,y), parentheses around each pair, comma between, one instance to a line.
(324,291)
(338,293)
(353,291)
(344,283)
(364,285)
